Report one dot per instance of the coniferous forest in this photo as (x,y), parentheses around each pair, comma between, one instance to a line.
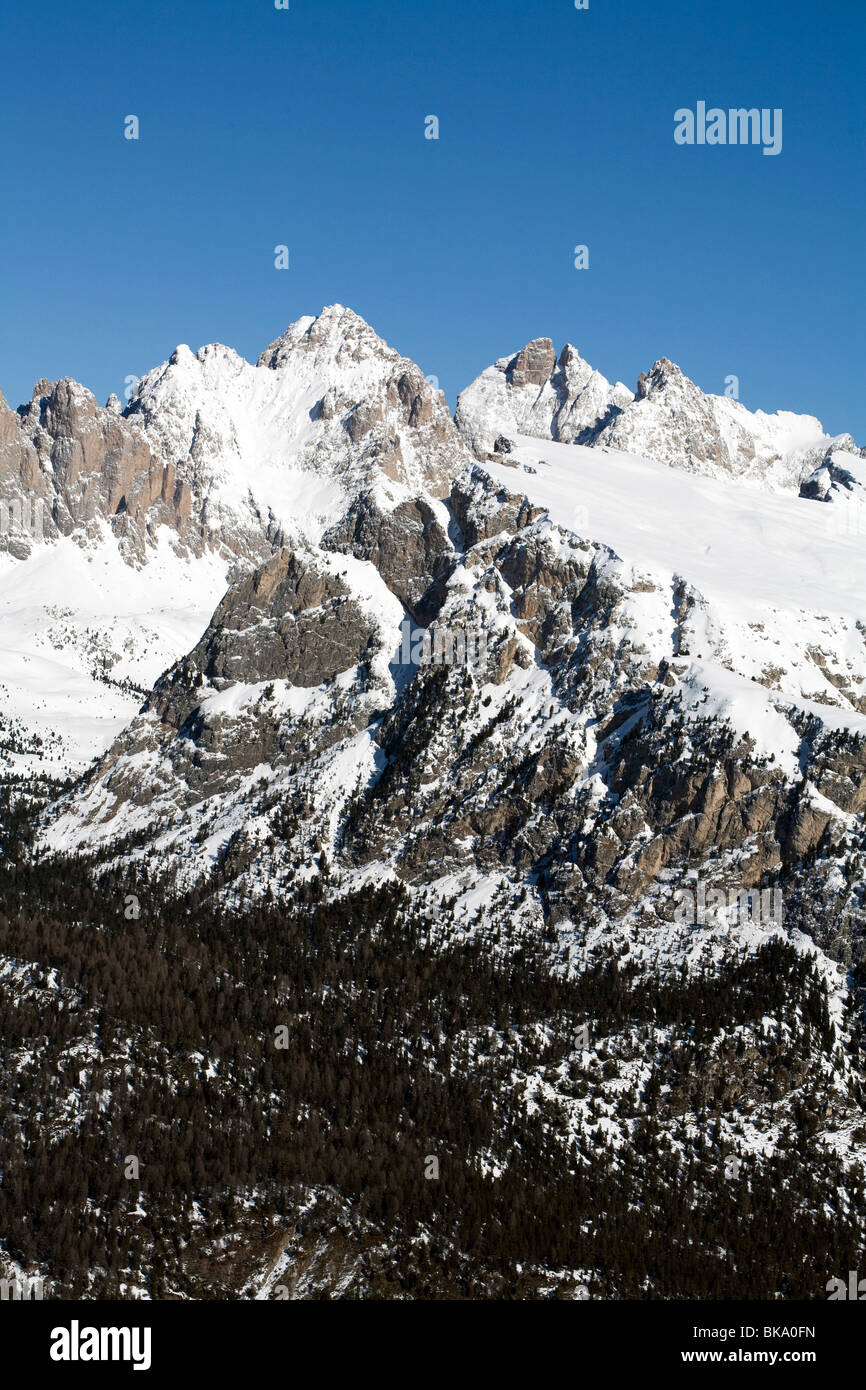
(191,1095)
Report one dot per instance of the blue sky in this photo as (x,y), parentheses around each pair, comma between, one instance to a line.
(306,128)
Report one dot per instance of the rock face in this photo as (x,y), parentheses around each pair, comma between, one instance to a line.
(840,478)
(573,751)
(291,639)
(673,421)
(290,620)
(668,419)
(534,393)
(408,545)
(215,448)
(533,365)
(66,464)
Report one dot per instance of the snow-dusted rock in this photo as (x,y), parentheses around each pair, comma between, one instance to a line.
(534,393)
(673,421)
(668,419)
(215,464)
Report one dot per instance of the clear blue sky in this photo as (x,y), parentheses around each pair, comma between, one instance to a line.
(306,127)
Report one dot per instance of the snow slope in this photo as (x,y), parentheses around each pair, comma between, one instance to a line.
(83,637)
(736,543)
(776,590)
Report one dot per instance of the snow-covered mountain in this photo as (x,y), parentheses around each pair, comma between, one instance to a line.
(668,419)
(741,615)
(282,447)
(214,465)
(534,392)
(477,726)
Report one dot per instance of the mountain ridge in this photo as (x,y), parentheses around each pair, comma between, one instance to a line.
(667,419)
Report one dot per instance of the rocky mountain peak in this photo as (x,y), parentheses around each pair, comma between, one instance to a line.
(669,419)
(661,375)
(338,333)
(232,457)
(533,364)
(534,392)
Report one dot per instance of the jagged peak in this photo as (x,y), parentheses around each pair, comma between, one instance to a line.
(533,364)
(65,397)
(568,355)
(336,329)
(181,354)
(537,393)
(63,386)
(662,374)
